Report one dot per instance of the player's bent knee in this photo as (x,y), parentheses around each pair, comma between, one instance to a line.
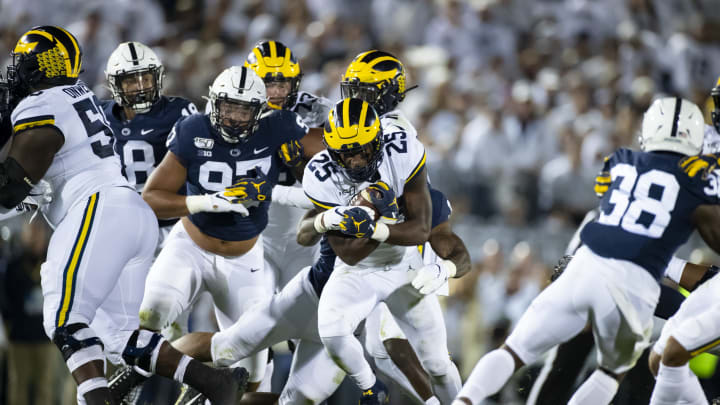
(154,317)
(142,350)
(675,355)
(78,344)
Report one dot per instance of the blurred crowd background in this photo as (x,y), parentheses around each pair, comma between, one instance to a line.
(517,103)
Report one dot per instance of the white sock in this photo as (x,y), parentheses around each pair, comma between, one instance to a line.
(348,354)
(598,389)
(489,376)
(675,384)
(432,401)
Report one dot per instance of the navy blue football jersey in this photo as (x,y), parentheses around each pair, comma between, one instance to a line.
(320,271)
(645,215)
(213,164)
(141,142)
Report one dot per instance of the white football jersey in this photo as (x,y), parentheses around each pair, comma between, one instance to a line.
(399,122)
(403,157)
(86,162)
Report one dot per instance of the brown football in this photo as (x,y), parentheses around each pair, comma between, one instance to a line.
(363,199)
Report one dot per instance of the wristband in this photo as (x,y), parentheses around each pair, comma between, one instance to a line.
(451,268)
(196,203)
(381,233)
(318,223)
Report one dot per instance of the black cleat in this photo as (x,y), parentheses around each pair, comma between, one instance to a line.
(125,385)
(190,396)
(228,386)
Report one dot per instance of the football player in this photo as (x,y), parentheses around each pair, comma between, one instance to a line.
(379,78)
(228,161)
(277,66)
(90,283)
(554,384)
(292,314)
(650,208)
(357,154)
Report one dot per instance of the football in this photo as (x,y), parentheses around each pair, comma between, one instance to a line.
(363,199)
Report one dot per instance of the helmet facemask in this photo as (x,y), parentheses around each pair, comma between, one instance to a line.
(236,120)
(137,89)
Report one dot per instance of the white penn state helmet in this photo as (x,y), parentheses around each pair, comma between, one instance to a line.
(673,124)
(240,86)
(134,58)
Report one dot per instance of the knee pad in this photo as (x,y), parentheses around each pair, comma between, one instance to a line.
(78,344)
(142,350)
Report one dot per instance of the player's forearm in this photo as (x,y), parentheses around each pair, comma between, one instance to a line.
(306,233)
(409,233)
(166,204)
(461,258)
(352,250)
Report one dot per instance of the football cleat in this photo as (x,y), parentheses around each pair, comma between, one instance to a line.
(125,385)
(376,395)
(189,396)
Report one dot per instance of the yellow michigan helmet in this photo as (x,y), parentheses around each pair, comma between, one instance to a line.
(273,61)
(376,77)
(353,128)
(45,55)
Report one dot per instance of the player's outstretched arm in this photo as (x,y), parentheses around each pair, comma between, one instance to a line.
(31,154)
(448,245)
(161,189)
(707,220)
(415,230)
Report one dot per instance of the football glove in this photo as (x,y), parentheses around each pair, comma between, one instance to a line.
(431,277)
(247,189)
(291,153)
(330,220)
(358,222)
(217,202)
(384,200)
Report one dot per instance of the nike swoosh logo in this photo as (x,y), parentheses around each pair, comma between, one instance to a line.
(256,151)
(254,270)
(146,131)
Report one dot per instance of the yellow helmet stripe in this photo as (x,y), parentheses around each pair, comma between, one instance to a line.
(363,115)
(381,59)
(346,113)
(47,35)
(273,49)
(75,71)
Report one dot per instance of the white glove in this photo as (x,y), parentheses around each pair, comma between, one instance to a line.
(216,202)
(330,220)
(431,277)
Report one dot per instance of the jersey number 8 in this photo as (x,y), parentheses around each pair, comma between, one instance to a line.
(627,214)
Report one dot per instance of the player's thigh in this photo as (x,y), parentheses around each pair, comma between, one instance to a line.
(314,376)
(553,316)
(347,299)
(89,253)
(174,280)
(237,283)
